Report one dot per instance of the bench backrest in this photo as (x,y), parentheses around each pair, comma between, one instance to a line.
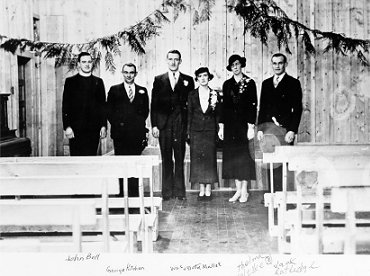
(70,175)
(286,153)
(46,212)
(57,187)
(359,199)
(81,166)
(336,172)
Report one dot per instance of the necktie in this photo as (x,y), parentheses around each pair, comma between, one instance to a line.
(130,94)
(276,81)
(174,80)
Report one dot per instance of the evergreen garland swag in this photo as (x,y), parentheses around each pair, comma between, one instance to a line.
(264,16)
(261,17)
(135,36)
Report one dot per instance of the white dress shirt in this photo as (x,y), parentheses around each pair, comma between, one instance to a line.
(127,88)
(204,99)
(174,77)
(277,79)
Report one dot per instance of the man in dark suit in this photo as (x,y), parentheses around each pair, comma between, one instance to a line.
(169,120)
(84,119)
(128,109)
(281,104)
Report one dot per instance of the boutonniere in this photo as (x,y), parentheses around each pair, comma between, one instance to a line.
(213,99)
(243,84)
(141,91)
(186,83)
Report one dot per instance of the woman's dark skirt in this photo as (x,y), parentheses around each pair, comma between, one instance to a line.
(203,157)
(237,162)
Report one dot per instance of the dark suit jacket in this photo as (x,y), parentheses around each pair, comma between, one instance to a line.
(197,120)
(283,102)
(161,106)
(126,118)
(83,110)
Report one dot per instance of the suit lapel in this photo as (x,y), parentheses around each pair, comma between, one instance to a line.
(200,106)
(197,100)
(136,93)
(166,80)
(179,81)
(124,92)
(281,82)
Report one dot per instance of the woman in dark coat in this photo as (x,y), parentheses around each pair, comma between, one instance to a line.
(239,115)
(202,130)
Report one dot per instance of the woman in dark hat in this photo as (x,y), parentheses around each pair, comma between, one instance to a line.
(203,117)
(239,115)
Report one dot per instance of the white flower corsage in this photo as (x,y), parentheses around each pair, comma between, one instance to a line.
(186,83)
(213,99)
(243,84)
(141,91)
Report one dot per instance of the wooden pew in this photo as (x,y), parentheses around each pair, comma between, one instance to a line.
(13,182)
(284,155)
(152,203)
(45,213)
(64,172)
(348,179)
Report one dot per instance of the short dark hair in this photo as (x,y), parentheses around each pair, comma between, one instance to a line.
(203,70)
(174,52)
(82,54)
(130,64)
(280,55)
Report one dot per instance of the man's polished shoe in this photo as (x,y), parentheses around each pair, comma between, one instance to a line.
(181,198)
(166,198)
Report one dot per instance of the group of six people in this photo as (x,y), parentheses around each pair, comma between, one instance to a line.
(180,114)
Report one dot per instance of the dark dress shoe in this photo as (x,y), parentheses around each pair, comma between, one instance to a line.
(181,198)
(166,198)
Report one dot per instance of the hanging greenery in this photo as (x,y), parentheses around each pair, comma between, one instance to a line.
(264,16)
(261,18)
(200,9)
(135,37)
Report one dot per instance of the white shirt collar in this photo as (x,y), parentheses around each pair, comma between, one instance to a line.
(280,76)
(127,86)
(177,74)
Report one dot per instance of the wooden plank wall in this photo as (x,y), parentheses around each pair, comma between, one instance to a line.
(210,44)
(16,21)
(336,96)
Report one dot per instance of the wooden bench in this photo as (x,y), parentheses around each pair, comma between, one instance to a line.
(348,180)
(152,204)
(83,172)
(45,213)
(284,155)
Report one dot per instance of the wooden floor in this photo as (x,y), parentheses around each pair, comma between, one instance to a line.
(216,226)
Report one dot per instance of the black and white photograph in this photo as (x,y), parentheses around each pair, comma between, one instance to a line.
(185,137)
